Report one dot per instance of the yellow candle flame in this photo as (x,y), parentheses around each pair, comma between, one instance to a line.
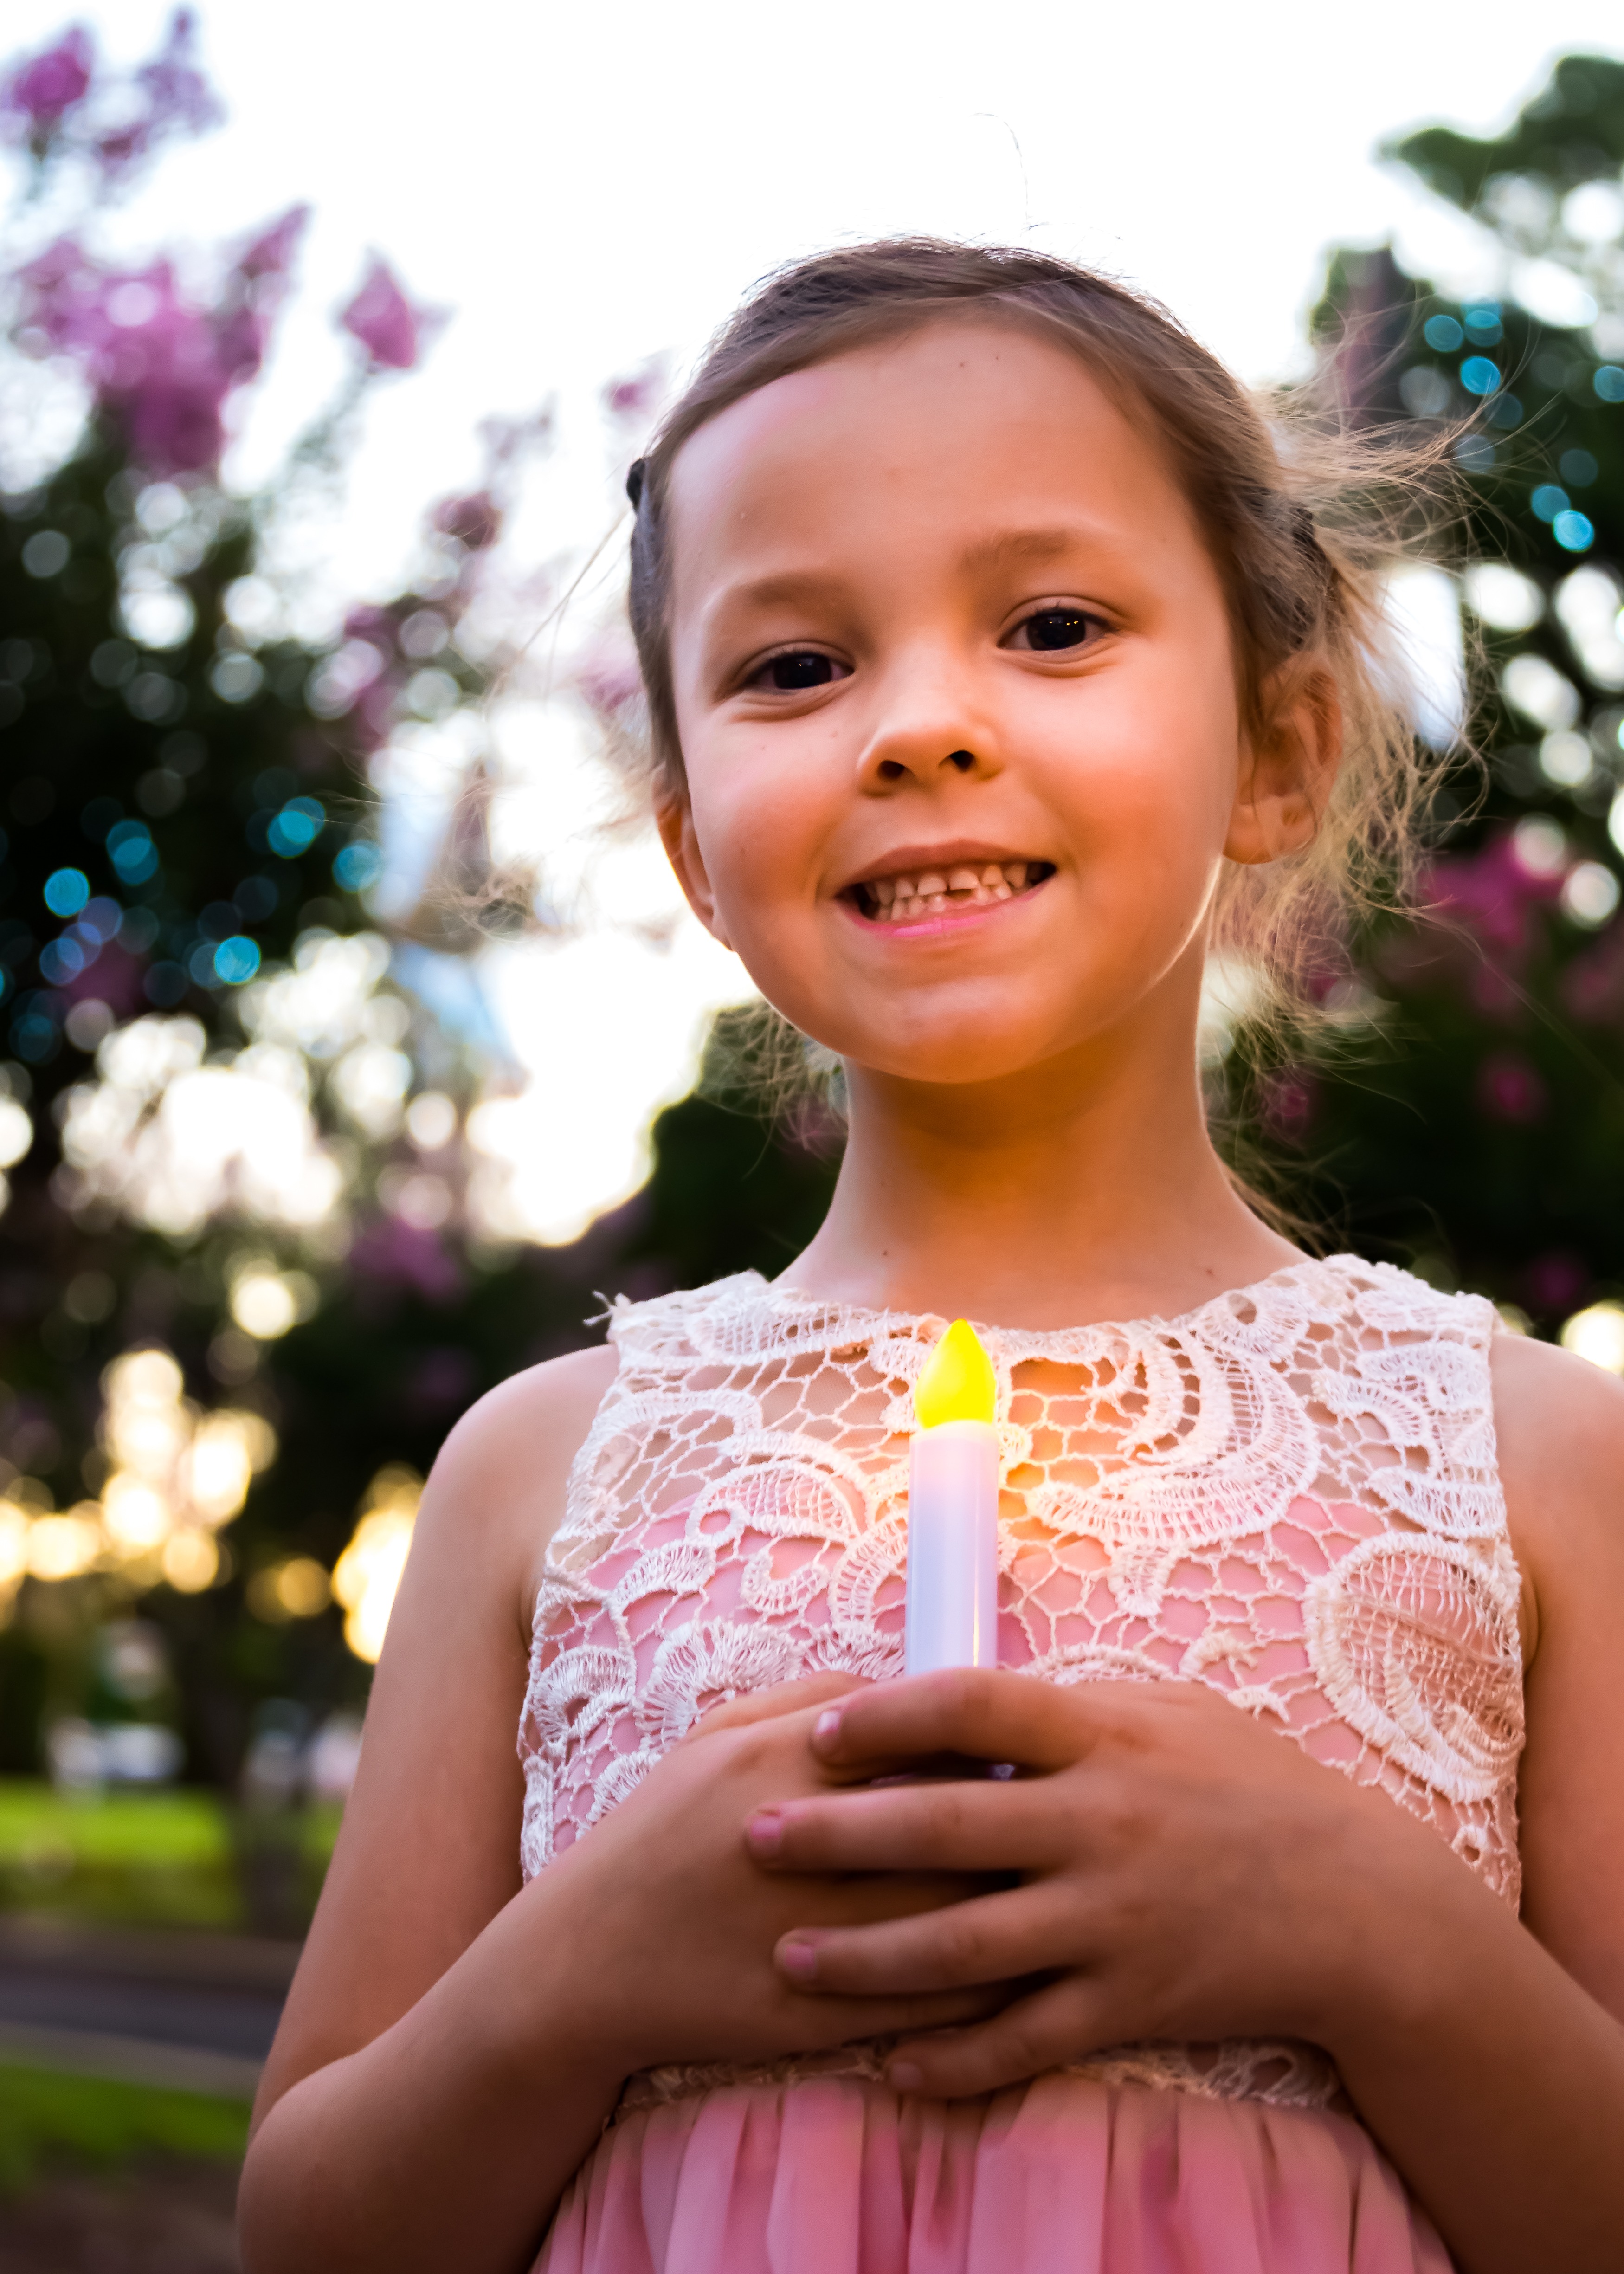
(958,1383)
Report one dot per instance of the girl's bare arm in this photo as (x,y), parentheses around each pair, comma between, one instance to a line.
(387,2055)
(452,2044)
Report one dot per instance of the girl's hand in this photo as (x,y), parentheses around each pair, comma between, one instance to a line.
(673,1925)
(1184,1873)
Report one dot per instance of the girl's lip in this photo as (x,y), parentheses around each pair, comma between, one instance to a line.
(939,925)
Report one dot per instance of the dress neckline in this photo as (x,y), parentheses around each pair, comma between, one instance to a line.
(782,1297)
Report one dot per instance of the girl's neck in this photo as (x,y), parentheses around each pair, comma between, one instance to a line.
(1078,1190)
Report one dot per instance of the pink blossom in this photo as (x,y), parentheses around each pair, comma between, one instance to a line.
(1290,1096)
(385,322)
(1510,1089)
(270,254)
(40,92)
(374,716)
(635,394)
(1592,986)
(507,440)
(366,621)
(1493,992)
(1489,904)
(161,364)
(1555,1282)
(609,680)
(369,707)
(393,1254)
(476,522)
(174,97)
(178,92)
(253,291)
(443,1377)
(1490,894)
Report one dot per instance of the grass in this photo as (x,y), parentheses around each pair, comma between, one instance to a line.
(46,2115)
(171,1857)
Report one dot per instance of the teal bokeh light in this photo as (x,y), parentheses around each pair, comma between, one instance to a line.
(359,865)
(1574,532)
(236,959)
(66,892)
(296,827)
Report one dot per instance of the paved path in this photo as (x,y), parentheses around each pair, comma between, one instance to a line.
(197,2011)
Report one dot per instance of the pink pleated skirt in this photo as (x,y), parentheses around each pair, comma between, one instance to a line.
(1066,2175)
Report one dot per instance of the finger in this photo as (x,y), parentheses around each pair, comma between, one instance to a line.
(973,1711)
(770,1704)
(825,1902)
(991,1938)
(941,1826)
(1062,2022)
(826,2021)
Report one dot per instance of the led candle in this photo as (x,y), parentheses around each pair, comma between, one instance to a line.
(953,1606)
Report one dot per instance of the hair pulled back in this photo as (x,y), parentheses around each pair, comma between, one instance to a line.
(1301,521)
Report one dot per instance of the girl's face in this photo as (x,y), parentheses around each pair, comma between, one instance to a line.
(957,699)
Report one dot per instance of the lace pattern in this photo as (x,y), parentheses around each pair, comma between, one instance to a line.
(1290,1495)
(1286,2075)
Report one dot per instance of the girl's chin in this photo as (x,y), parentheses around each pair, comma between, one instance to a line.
(959,1061)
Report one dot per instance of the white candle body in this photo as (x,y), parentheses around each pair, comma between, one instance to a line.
(952,1611)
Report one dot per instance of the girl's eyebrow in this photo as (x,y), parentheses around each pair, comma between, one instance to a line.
(767,591)
(1017,547)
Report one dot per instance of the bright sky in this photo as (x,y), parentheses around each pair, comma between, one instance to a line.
(585,188)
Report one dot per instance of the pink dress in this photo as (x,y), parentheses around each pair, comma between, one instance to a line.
(1291,1495)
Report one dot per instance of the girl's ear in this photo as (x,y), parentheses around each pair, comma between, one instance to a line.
(673,818)
(1287,766)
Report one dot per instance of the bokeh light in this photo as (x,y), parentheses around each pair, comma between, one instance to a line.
(175,1475)
(297,1587)
(266,1303)
(66,892)
(1596,1332)
(368,1573)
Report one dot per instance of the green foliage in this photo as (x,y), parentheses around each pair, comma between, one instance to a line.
(183,1858)
(1572,131)
(45,2115)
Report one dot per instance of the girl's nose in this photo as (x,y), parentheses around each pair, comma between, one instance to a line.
(926,741)
(895,770)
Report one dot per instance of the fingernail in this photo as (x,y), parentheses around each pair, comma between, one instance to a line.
(827,1728)
(904,2077)
(799,1959)
(766,1832)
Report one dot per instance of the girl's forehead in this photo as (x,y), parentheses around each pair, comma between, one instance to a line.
(957,412)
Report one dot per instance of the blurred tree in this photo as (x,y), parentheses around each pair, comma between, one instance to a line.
(245,1293)
(208,1100)
(1470,1115)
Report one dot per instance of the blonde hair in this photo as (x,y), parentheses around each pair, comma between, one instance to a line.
(1302,519)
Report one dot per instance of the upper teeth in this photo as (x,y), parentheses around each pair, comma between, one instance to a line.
(898,897)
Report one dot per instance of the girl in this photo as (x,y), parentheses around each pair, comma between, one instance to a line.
(997,670)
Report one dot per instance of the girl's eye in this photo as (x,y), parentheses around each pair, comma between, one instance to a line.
(1052,630)
(794,672)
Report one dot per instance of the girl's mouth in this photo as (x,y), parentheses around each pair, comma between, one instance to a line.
(917,895)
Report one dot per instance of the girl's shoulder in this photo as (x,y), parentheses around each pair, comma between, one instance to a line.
(540,1400)
(500,1480)
(1558,1426)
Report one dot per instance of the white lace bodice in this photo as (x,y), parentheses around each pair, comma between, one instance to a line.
(1289,1494)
